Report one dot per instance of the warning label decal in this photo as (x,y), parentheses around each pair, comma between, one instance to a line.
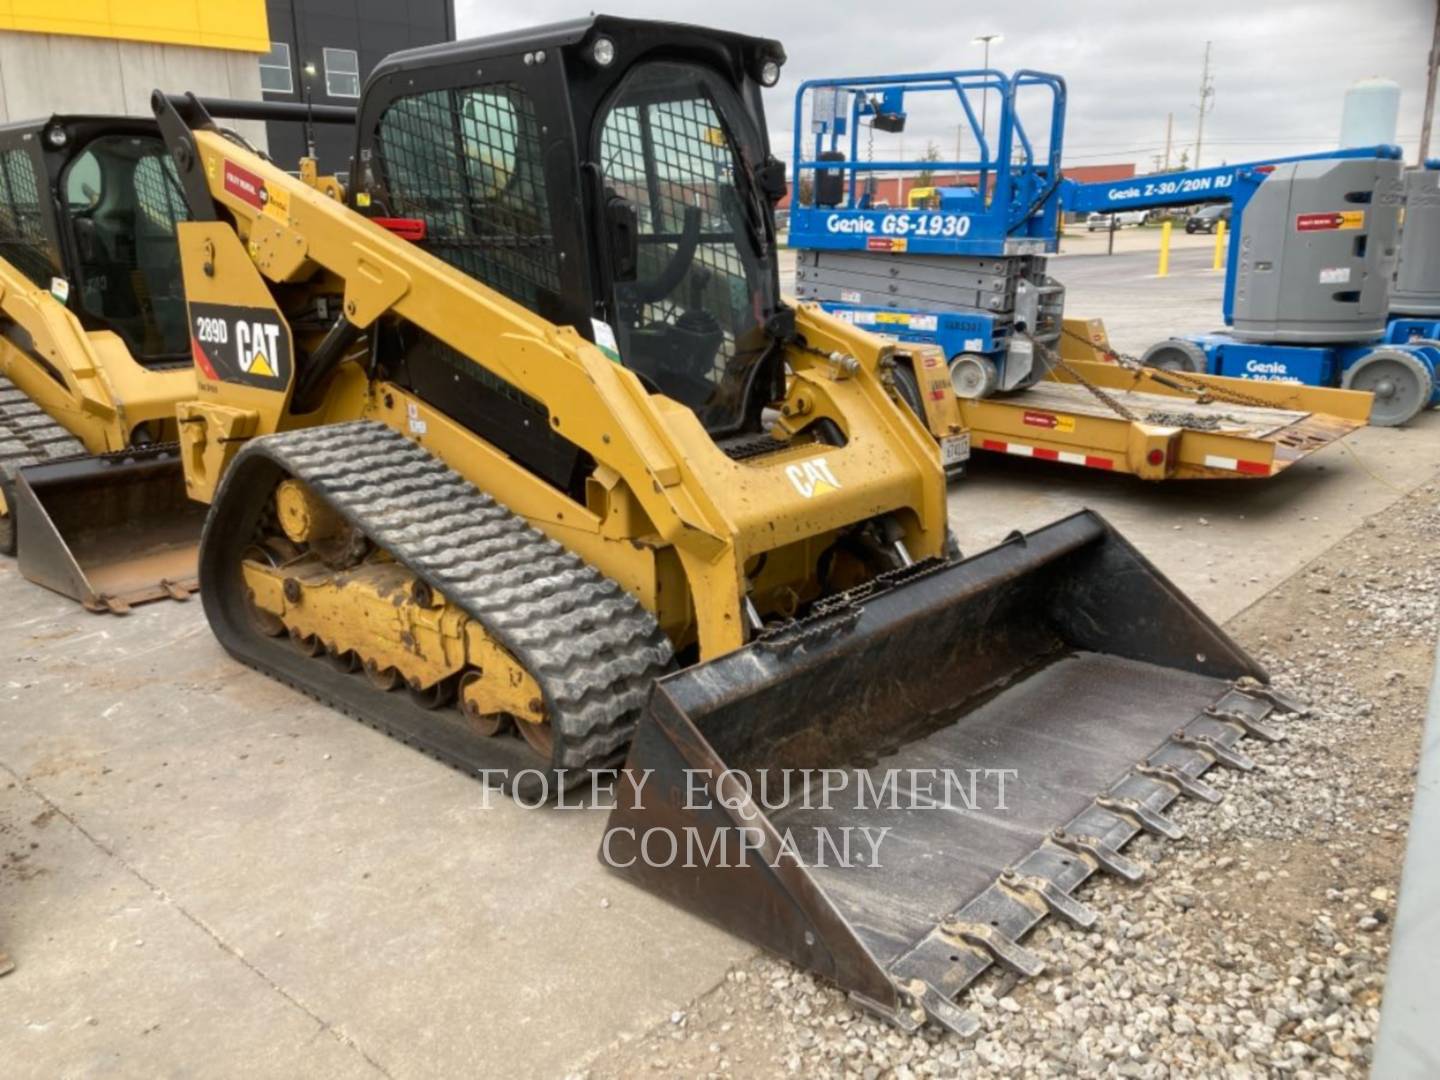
(1341,219)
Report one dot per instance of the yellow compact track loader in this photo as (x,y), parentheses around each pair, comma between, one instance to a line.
(94,356)
(520,457)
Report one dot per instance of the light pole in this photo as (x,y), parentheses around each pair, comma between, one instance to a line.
(985,39)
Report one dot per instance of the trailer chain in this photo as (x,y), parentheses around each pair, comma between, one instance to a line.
(1102,396)
(1185,379)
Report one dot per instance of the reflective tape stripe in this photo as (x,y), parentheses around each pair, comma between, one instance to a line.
(1250,468)
(1069,457)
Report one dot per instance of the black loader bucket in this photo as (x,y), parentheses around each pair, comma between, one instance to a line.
(895,791)
(111,530)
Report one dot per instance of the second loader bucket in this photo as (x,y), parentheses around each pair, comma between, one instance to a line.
(1010,721)
(111,530)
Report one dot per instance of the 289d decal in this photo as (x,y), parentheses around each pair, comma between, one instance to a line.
(250,346)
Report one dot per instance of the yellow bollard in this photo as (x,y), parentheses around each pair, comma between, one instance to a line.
(1219,261)
(1164,249)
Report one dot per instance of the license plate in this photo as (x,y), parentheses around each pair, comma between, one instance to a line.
(954,449)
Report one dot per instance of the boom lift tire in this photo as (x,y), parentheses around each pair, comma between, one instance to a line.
(1175,354)
(1401,385)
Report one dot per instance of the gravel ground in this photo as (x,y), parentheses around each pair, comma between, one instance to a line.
(1256,946)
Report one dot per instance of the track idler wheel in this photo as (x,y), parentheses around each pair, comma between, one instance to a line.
(436,696)
(307,644)
(342,660)
(385,679)
(265,622)
(539,736)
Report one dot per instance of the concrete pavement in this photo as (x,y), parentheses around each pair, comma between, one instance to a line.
(227,876)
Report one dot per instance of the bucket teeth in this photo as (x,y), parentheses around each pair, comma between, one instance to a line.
(175,590)
(942,1010)
(1060,903)
(1252,727)
(1278,698)
(1187,784)
(1007,953)
(1106,858)
(1141,816)
(1223,755)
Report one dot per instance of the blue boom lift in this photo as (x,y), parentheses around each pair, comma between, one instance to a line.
(1308,278)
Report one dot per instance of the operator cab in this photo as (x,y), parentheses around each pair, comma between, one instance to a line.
(609,174)
(102,239)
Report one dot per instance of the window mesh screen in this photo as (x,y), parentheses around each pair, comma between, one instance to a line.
(468,162)
(157,190)
(692,161)
(22,229)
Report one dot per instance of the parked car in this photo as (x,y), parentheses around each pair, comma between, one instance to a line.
(1101,222)
(1208,218)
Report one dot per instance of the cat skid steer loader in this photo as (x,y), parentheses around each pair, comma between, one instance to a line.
(520,458)
(94,356)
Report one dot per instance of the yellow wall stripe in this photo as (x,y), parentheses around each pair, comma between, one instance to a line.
(229,24)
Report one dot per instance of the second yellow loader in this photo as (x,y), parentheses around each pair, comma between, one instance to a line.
(94,356)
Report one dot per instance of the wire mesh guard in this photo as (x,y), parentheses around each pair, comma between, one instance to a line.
(665,147)
(468,162)
(22,229)
(672,158)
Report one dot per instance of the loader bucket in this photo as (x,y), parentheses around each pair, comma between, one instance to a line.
(1061,657)
(111,530)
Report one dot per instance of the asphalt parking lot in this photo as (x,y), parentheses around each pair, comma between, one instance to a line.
(201,865)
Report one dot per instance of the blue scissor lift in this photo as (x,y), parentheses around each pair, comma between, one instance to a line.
(964,271)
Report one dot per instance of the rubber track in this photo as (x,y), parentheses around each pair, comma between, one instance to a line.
(28,435)
(588,643)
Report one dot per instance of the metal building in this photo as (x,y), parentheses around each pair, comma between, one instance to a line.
(322,50)
(107,58)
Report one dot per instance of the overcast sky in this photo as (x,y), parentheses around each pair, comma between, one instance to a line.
(1280,67)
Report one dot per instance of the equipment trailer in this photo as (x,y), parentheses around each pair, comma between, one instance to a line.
(1134,420)
(959,272)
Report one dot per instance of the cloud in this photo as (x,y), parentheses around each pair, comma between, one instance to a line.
(1280,67)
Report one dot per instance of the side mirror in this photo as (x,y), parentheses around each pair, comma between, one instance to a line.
(622,223)
(771,179)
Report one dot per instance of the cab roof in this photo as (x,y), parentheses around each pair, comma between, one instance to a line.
(561,35)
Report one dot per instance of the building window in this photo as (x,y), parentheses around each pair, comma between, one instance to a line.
(276,76)
(342,73)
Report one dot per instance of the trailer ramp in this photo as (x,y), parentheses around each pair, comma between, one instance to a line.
(1160,425)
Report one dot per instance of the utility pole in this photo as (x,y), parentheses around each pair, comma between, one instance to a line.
(1430,89)
(1207,102)
(1170,131)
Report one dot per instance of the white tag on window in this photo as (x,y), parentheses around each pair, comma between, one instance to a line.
(60,289)
(605,339)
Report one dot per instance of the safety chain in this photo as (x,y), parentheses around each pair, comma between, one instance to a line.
(1104,398)
(1185,380)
